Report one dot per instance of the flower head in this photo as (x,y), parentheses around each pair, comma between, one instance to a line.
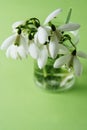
(39,52)
(71,59)
(42,34)
(15,46)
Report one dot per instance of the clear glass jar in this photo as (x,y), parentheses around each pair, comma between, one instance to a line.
(52,79)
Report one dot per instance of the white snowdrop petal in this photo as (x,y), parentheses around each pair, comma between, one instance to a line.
(77,66)
(69,27)
(23,41)
(52,15)
(53,49)
(8,52)
(24,38)
(61,61)
(82,54)
(36,37)
(33,50)
(75,37)
(13,52)
(42,57)
(42,35)
(8,42)
(48,29)
(75,33)
(21,52)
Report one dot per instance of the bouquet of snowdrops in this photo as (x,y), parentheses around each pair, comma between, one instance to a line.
(47,40)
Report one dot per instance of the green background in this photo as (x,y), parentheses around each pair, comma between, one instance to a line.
(23,106)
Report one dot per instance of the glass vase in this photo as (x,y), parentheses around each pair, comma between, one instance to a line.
(52,79)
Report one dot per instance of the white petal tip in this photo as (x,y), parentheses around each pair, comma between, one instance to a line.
(77,66)
(52,15)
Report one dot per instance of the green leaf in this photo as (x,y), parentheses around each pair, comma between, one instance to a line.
(68,16)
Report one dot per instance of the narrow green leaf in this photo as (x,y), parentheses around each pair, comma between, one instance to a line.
(68,16)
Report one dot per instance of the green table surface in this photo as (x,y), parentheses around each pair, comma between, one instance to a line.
(23,106)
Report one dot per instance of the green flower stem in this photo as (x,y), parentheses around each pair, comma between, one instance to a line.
(57,74)
(58,34)
(72,43)
(45,72)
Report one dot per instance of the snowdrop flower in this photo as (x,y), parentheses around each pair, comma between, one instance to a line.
(71,59)
(72,28)
(16,26)
(55,47)
(52,15)
(42,34)
(15,46)
(43,31)
(39,52)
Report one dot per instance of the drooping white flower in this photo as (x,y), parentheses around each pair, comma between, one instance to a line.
(71,59)
(16,52)
(44,31)
(55,47)
(42,34)
(39,52)
(72,32)
(15,46)
(62,60)
(37,49)
(52,15)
